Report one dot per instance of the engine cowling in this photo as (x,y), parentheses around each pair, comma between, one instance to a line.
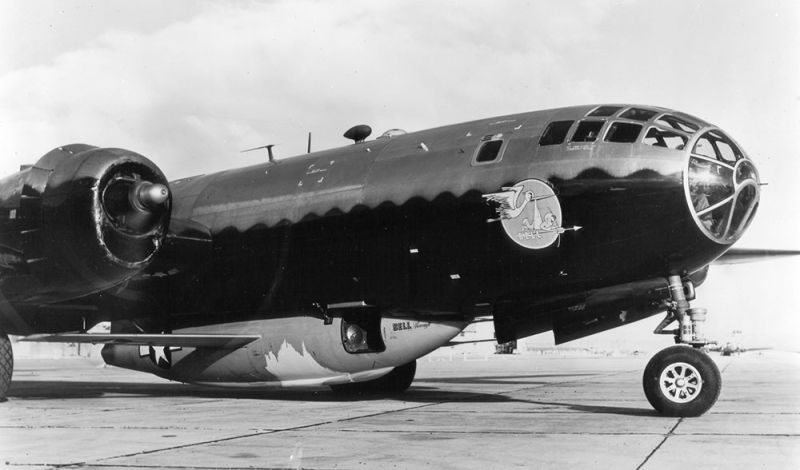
(79,221)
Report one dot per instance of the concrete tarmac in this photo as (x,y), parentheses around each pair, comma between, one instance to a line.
(500,412)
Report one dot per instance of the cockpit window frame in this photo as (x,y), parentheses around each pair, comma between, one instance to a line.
(713,136)
(722,193)
(675,123)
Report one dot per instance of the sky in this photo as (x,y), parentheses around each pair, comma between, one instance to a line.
(191,83)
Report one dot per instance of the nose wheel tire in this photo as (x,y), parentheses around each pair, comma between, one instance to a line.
(681,381)
(6,365)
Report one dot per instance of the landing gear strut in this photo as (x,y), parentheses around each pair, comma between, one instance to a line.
(6,365)
(682,380)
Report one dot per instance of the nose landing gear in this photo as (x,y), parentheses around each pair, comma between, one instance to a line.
(682,380)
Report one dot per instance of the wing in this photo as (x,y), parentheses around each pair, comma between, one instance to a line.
(747,255)
(183,341)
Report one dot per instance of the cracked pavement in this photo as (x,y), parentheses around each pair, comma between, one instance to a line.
(501,411)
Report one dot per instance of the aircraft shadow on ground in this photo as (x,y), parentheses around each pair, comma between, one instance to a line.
(23,390)
(501,379)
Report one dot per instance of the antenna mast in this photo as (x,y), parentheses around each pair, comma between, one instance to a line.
(269,151)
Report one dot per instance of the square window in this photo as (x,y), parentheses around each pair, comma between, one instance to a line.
(488,151)
(587,131)
(555,133)
(623,132)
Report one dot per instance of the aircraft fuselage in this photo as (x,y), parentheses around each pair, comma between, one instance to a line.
(351,262)
(401,224)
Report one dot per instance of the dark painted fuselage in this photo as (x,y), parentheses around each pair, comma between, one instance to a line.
(400,224)
(407,227)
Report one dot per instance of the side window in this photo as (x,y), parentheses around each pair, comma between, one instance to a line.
(587,131)
(489,150)
(667,139)
(555,133)
(623,132)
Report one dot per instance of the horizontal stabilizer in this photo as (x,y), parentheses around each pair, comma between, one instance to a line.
(747,255)
(175,340)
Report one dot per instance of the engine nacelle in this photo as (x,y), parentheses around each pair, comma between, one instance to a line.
(81,220)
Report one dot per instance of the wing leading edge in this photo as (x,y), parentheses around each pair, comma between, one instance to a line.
(183,341)
(748,255)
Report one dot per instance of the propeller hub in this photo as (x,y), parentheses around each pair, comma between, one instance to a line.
(150,196)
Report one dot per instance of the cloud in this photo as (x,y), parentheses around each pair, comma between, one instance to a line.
(193,88)
(234,75)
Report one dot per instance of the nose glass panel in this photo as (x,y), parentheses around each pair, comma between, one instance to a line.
(745,207)
(745,171)
(722,187)
(710,183)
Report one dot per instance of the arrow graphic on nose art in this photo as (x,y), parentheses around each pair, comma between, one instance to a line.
(574,228)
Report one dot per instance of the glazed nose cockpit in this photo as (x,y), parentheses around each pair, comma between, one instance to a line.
(722,187)
(721,183)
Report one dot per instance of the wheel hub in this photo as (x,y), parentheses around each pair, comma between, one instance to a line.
(680,382)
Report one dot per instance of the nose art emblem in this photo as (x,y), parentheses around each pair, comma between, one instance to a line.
(530,213)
